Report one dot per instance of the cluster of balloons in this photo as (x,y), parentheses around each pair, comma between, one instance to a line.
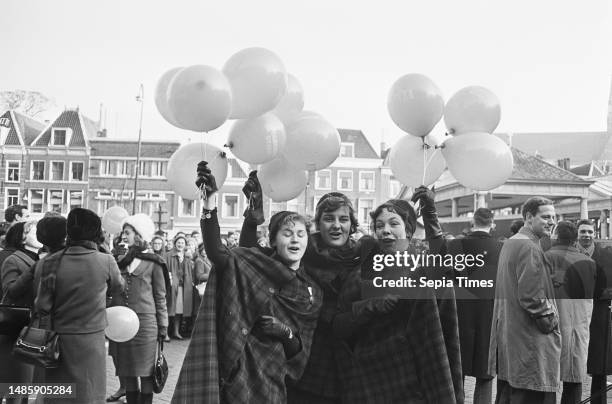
(270,129)
(476,158)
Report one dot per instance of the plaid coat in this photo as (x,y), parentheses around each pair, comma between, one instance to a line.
(225,362)
(409,355)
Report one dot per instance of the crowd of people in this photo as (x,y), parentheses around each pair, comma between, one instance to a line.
(293,318)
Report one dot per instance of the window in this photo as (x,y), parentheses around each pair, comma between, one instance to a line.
(345,180)
(12,170)
(323,179)
(55,200)
(57,170)
(76,170)
(296,205)
(142,168)
(365,207)
(75,199)
(38,170)
(394,188)
(187,207)
(60,136)
(347,150)
(104,168)
(366,181)
(158,169)
(122,168)
(11,196)
(230,205)
(36,200)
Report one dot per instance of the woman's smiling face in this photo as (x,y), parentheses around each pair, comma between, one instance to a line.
(335,227)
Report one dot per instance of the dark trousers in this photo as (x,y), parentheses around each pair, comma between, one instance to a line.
(507,394)
(598,382)
(572,393)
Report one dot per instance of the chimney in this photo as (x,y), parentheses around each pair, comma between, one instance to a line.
(564,163)
(383,148)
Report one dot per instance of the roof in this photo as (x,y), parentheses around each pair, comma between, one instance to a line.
(363,148)
(527,167)
(129,148)
(68,119)
(21,129)
(579,147)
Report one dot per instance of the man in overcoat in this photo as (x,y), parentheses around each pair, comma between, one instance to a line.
(525,336)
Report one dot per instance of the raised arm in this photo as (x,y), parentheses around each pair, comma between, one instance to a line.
(253,214)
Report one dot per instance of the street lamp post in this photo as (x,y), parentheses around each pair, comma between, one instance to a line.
(140,99)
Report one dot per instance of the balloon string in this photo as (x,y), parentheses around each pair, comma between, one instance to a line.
(203,152)
(424,160)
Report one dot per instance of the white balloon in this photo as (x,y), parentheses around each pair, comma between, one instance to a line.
(257,140)
(409,158)
(258,79)
(182,168)
(161,96)
(312,142)
(200,98)
(478,160)
(281,181)
(472,109)
(123,323)
(292,103)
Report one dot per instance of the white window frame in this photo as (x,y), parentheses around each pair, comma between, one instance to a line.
(49,199)
(32,169)
(51,170)
(366,218)
(71,164)
(121,165)
(67,140)
(317,179)
(6,196)
(69,198)
(8,169)
(106,164)
(339,183)
(142,168)
(43,204)
(180,206)
(224,213)
(373,181)
(352,145)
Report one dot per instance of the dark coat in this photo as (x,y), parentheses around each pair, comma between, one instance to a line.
(410,355)
(172,261)
(601,314)
(475,314)
(573,275)
(225,361)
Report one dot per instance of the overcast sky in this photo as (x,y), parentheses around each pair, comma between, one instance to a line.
(549,62)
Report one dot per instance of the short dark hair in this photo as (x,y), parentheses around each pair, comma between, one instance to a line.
(403,208)
(516,225)
(567,232)
(532,205)
(585,221)
(14,235)
(333,201)
(483,217)
(12,211)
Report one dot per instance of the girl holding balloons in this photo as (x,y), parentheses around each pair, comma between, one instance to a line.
(146,280)
(260,309)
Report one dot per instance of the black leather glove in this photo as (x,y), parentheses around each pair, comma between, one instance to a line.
(426,197)
(367,309)
(547,323)
(253,193)
(206,180)
(273,327)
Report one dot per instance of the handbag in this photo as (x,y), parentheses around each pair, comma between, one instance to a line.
(37,343)
(13,318)
(160,371)
(38,346)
